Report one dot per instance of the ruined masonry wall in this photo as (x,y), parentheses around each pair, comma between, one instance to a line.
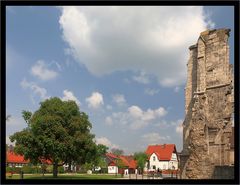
(208,106)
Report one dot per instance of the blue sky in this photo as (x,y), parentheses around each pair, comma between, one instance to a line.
(124,66)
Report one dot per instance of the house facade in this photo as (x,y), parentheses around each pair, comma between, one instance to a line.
(162,157)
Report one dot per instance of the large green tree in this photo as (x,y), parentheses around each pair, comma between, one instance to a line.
(59,132)
(141,159)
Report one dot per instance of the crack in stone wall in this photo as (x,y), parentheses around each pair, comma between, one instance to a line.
(208,106)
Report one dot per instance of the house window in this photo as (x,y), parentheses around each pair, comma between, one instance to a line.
(154,167)
(154,158)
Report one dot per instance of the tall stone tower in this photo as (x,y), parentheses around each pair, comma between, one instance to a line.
(208,106)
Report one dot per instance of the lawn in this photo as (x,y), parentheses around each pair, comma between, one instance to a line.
(66,176)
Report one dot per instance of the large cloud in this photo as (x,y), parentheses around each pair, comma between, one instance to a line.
(105,141)
(136,118)
(150,39)
(154,138)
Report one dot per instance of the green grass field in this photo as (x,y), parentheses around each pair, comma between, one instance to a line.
(66,176)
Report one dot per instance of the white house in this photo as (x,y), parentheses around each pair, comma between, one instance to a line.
(112,169)
(162,157)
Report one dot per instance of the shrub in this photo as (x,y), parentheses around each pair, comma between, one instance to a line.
(16,170)
(27,169)
(9,169)
(60,169)
(49,169)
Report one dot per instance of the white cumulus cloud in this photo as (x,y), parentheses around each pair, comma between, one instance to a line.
(68,95)
(119,99)
(95,100)
(151,39)
(136,118)
(37,90)
(151,92)
(40,70)
(141,78)
(105,141)
(154,138)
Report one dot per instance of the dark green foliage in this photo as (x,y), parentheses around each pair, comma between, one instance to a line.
(60,169)
(26,116)
(27,169)
(57,132)
(31,169)
(117,151)
(99,159)
(9,169)
(13,169)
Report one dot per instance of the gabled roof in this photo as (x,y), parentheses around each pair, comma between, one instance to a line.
(14,158)
(163,152)
(111,156)
(128,161)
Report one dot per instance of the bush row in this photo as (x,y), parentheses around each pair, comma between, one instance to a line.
(33,169)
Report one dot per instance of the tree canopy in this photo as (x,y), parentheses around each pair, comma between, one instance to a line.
(141,159)
(59,132)
(117,151)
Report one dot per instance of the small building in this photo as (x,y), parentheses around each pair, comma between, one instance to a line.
(111,161)
(14,160)
(162,157)
(128,164)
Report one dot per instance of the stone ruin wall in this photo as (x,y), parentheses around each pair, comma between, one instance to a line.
(208,106)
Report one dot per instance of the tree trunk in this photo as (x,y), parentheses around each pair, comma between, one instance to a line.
(55,169)
(69,167)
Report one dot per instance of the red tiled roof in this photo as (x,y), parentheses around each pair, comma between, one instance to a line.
(110,155)
(44,161)
(128,161)
(14,158)
(133,164)
(163,152)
